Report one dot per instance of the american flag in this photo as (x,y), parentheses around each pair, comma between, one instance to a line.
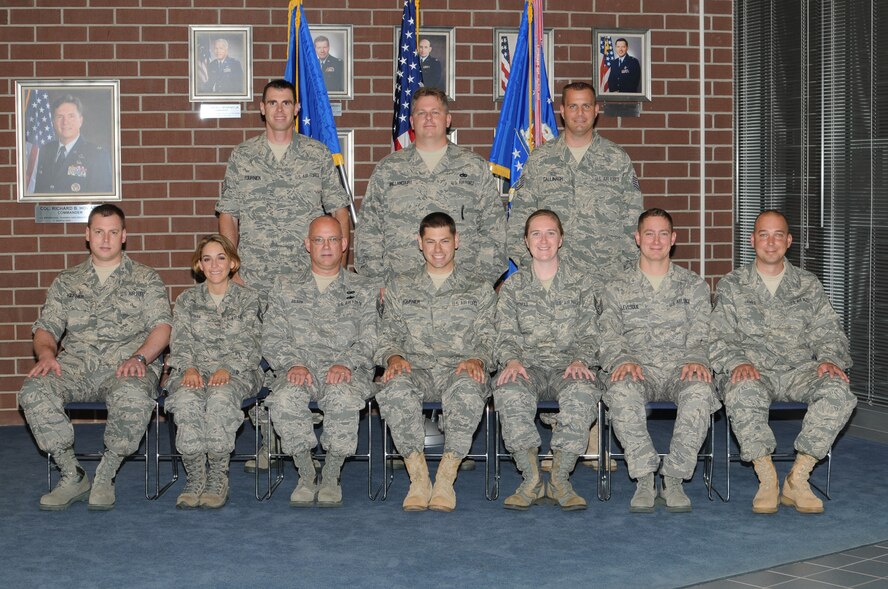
(38,130)
(408,77)
(505,62)
(606,49)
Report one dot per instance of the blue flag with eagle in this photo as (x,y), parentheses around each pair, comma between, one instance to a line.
(527,103)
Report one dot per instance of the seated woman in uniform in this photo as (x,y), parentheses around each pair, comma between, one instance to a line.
(215,366)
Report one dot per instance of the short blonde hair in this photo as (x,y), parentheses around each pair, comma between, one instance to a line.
(227,247)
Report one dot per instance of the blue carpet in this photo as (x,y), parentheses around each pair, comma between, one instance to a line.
(375,544)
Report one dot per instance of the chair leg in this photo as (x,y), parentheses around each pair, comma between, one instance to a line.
(497,426)
(370,492)
(173,456)
(487,419)
(603,457)
(709,455)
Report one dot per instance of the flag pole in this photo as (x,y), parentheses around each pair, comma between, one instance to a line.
(343,177)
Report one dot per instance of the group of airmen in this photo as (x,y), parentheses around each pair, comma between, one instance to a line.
(595,312)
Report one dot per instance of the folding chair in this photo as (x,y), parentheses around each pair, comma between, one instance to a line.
(787,409)
(99,406)
(389,454)
(274,481)
(542,407)
(706,453)
(174,457)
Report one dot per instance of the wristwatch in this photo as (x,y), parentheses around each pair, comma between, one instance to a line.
(140,358)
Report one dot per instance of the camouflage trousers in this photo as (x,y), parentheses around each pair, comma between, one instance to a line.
(130,402)
(695,401)
(830,403)
(516,403)
(340,403)
(462,403)
(207,418)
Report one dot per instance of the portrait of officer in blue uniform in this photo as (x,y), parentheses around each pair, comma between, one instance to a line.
(225,75)
(625,70)
(331,66)
(71,164)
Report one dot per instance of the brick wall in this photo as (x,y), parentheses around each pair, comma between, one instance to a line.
(173,162)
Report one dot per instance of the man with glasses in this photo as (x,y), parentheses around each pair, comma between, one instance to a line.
(319,334)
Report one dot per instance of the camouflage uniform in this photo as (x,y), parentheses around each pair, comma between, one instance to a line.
(305,327)
(786,337)
(598,200)
(103,325)
(207,338)
(435,331)
(274,202)
(661,331)
(546,331)
(402,191)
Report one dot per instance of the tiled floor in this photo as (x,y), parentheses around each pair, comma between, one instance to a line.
(862,568)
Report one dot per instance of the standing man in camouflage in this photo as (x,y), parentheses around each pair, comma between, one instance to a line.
(431,175)
(319,334)
(115,318)
(775,337)
(547,339)
(590,183)
(436,345)
(655,346)
(275,184)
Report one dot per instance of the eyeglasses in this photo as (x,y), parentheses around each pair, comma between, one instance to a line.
(321,240)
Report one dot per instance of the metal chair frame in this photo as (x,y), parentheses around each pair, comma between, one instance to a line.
(274,481)
(549,406)
(780,407)
(389,454)
(142,456)
(706,453)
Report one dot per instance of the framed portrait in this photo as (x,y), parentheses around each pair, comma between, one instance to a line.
(622,68)
(347,144)
(437,53)
(220,63)
(67,140)
(333,44)
(504,51)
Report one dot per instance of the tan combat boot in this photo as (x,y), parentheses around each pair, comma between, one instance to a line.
(443,495)
(330,491)
(306,490)
(266,434)
(592,448)
(420,491)
(101,497)
(532,489)
(765,500)
(559,487)
(195,480)
(796,490)
(674,496)
(73,486)
(645,494)
(215,494)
